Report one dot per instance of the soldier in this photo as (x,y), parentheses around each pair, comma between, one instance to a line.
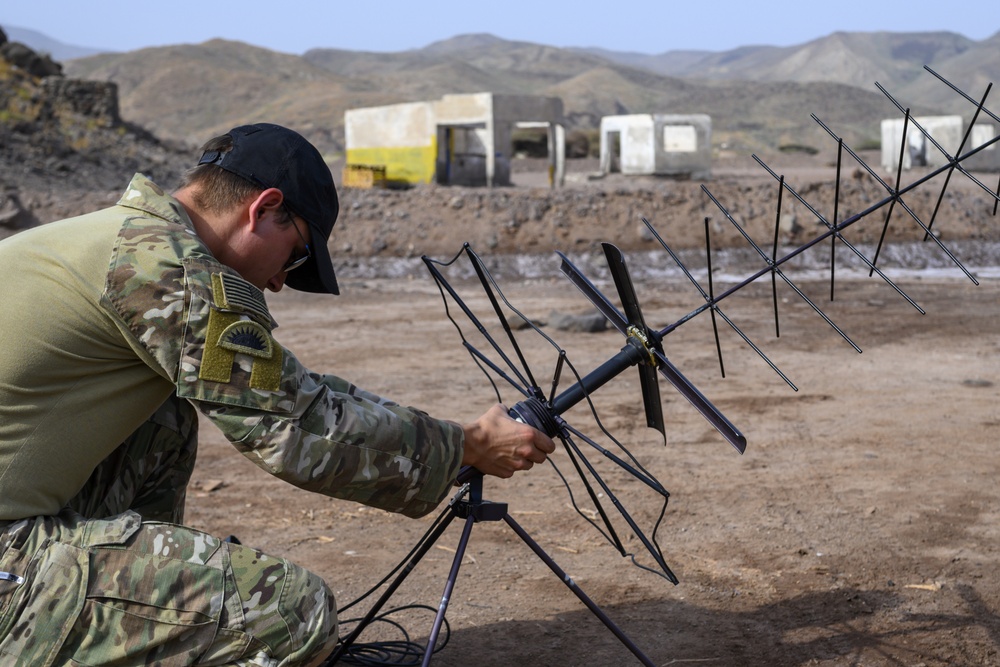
(116,326)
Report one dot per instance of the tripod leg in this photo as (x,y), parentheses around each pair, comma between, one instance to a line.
(566,579)
(448,587)
(412,563)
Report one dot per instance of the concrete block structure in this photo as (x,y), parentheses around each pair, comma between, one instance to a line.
(948,132)
(987,159)
(457,140)
(678,145)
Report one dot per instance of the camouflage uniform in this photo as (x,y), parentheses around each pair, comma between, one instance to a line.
(97,442)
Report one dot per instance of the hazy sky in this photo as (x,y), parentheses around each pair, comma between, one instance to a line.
(644,26)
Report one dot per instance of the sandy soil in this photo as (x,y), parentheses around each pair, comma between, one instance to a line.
(859,528)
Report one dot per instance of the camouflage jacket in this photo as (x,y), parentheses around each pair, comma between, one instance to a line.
(197,328)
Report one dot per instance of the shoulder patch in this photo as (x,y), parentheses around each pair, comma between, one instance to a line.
(228,335)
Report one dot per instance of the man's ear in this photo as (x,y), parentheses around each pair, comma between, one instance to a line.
(267,202)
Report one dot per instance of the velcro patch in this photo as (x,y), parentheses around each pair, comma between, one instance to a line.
(228,335)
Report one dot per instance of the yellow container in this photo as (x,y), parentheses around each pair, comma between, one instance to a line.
(363,176)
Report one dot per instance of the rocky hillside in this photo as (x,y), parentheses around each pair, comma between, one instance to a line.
(895,60)
(190,92)
(64,147)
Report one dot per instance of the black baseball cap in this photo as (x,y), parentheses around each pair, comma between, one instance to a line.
(272,156)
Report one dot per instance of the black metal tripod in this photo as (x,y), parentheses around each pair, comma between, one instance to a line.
(469,504)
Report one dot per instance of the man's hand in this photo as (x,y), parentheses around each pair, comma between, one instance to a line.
(496,444)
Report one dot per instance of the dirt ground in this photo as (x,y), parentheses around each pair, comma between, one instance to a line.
(860,527)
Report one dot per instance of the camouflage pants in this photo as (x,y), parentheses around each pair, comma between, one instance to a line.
(101,584)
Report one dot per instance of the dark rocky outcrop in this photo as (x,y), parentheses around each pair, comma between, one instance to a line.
(21,56)
(64,147)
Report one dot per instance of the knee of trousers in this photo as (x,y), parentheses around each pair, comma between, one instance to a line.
(289,611)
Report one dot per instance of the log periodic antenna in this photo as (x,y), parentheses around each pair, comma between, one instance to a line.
(504,361)
(895,196)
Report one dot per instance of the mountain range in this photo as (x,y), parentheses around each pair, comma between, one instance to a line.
(760,98)
(42,43)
